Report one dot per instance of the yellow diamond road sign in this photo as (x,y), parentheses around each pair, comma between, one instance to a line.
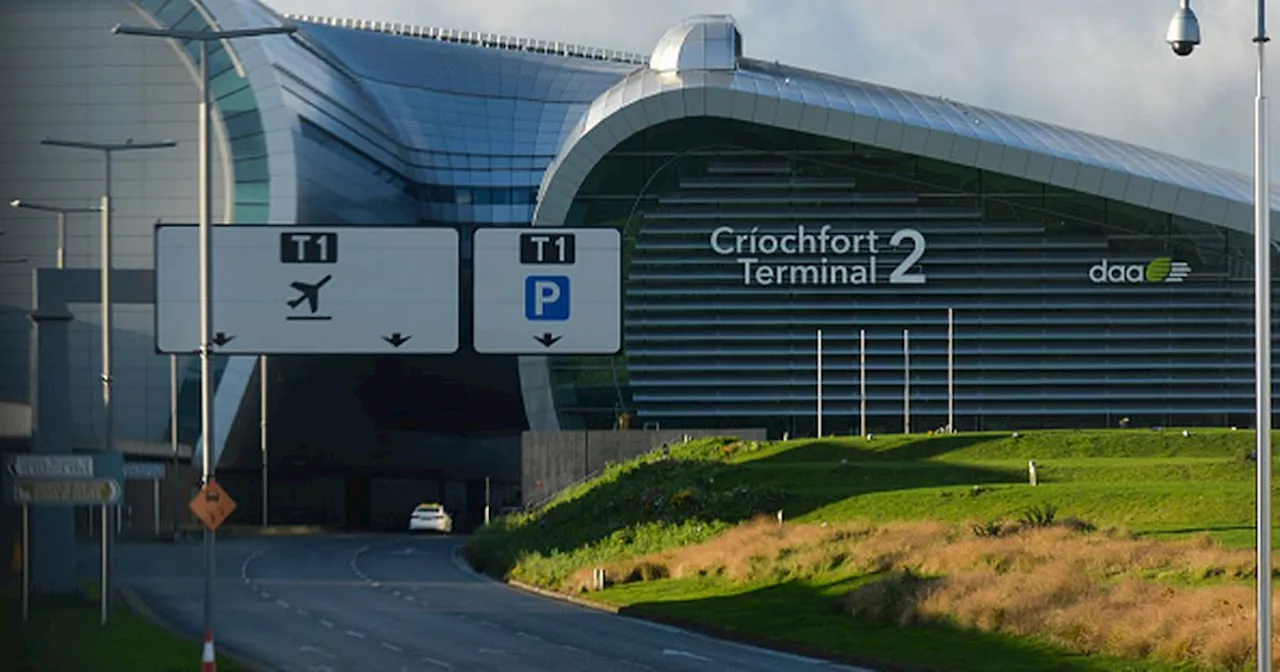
(92,491)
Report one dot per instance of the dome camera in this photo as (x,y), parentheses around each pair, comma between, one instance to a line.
(1184,30)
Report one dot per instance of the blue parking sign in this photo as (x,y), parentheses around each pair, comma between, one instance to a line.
(546,298)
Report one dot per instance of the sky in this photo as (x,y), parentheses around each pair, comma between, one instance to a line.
(1095,65)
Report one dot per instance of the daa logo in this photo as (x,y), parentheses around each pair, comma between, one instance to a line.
(1163,269)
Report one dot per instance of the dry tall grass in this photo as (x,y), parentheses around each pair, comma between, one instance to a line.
(1093,593)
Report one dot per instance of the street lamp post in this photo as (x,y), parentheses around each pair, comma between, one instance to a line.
(1184,37)
(108,151)
(208,467)
(62,213)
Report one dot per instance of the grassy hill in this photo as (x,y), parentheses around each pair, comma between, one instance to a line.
(669,530)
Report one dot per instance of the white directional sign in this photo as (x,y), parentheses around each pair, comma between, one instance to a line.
(311,290)
(548,291)
(51,466)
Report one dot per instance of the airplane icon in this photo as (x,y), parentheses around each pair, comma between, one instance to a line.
(309,293)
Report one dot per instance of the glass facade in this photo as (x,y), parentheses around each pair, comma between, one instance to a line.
(742,240)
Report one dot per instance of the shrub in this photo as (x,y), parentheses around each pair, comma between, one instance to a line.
(1041,515)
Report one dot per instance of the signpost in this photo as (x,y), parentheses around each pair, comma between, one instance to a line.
(548,291)
(305,290)
(65,480)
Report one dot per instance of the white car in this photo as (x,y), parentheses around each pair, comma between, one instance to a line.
(430,517)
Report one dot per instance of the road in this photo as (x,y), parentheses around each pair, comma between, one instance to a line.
(394,604)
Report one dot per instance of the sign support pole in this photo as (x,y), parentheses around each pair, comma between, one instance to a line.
(174,478)
(26,563)
(263,436)
(819,383)
(486,500)
(104,587)
(862,382)
(906,381)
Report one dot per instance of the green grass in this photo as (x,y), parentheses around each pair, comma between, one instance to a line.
(809,610)
(66,636)
(1157,483)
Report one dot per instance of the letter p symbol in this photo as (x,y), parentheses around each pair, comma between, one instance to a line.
(546,298)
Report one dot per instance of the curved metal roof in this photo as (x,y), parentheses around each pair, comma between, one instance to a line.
(864,112)
(791,98)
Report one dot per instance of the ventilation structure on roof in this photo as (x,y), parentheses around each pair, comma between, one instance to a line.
(704,42)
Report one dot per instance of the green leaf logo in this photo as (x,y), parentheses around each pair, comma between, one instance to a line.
(1159,269)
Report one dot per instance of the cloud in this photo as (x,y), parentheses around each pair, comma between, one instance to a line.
(1094,65)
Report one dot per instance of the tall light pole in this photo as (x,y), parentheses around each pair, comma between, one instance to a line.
(62,213)
(108,151)
(1183,37)
(206,259)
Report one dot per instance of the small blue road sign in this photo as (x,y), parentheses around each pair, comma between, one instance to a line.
(546,298)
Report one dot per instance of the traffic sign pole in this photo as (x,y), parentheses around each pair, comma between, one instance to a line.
(26,563)
(106,557)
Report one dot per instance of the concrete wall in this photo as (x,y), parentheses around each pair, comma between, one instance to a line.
(554,460)
(63,75)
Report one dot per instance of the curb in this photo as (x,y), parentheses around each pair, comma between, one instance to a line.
(718,632)
(134,603)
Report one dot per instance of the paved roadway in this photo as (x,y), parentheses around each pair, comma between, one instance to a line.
(380,603)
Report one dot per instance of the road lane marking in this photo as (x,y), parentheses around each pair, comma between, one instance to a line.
(397,593)
(327,624)
(685,654)
(491,624)
(304,613)
(438,663)
(392,647)
(570,647)
(353,633)
(282,604)
(410,598)
(266,595)
(495,652)
(529,636)
(319,652)
(640,666)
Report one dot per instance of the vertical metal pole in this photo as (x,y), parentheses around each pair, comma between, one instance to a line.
(1262,318)
(263,437)
(155,505)
(104,581)
(62,239)
(174,478)
(819,383)
(26,563)
(862,382)
(906,381)
(109,431)
(487,502)
(951,370)
(206,327)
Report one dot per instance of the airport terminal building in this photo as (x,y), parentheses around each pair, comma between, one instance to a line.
(1089,280)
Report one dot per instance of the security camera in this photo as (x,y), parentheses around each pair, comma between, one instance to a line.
(1184,30)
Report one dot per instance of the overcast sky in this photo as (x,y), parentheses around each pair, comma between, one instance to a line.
(1095,65)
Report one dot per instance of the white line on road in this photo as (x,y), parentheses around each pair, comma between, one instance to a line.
(397,593)
(319,652)
(685,654)
(282,604)
(496,652)
(266,595)
(392,647)
(353,633)
(304,613)
(438,663)
(327,624)
(529,636)
(570,647)
(410,598)
(490,624)
(638,666)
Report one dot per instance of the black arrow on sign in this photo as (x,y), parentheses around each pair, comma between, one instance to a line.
(396,340)
(220,339)
(547,340)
